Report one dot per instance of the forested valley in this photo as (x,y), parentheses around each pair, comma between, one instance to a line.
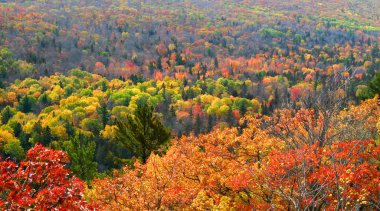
(189,105)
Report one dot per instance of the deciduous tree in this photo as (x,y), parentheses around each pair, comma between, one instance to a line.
(40,182)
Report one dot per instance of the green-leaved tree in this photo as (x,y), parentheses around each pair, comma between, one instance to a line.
(81,153)
(6,62)
(142,132)
(6,114)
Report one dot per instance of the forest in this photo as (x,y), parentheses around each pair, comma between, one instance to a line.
(189,105)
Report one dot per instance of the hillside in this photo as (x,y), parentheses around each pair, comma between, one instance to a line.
(189,105)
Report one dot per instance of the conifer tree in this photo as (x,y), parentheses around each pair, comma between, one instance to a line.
(103,112)
(81,153)
(26,104)
(46,136)
(198,125)
(6,114)
(142,132)
(374,85)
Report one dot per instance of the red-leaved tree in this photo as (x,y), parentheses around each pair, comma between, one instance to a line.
(41,182)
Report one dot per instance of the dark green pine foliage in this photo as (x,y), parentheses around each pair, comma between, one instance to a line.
(46,136)
(70,129)
(374,85)
(198,125)
(6,114)
(81,153)
(37,132)
(210,123)
(142,133)
(103,112)
(17,129)
(42,135)
(26,104)
(44,99)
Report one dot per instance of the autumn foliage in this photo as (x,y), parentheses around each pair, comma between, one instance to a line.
(270,104)
(247,169)
(41,182)
(344,175)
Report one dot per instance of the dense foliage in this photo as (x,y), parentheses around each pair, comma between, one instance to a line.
(257,169)
(189,104)
(40,182)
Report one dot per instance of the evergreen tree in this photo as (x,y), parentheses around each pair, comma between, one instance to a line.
(103,112)
(159,61)
(26,104)
(198,125)
(37,128)
(6,114)
(142,132)
(37,132)
(184,95)
(216,63)
(81,155)
(374,85)
(44,99)
(276,98)
(243,108)
(136,78)
(17,129)
(70,129)
(104,86)
(46,136)
(24,140)
(210,123)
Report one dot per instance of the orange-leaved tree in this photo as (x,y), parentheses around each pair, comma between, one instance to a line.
(278,163)
(213,171)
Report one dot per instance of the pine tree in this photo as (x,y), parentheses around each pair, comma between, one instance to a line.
(6,114)
(210,123)
(26,104)
(216,63)
(37,132)
(24,140)
(159,65)
(243,108)
(198,125)
(44,99)
(142,132)
(103,112)
(17,129)
(70,129)
(374,85)
(46,136)
(81,155)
